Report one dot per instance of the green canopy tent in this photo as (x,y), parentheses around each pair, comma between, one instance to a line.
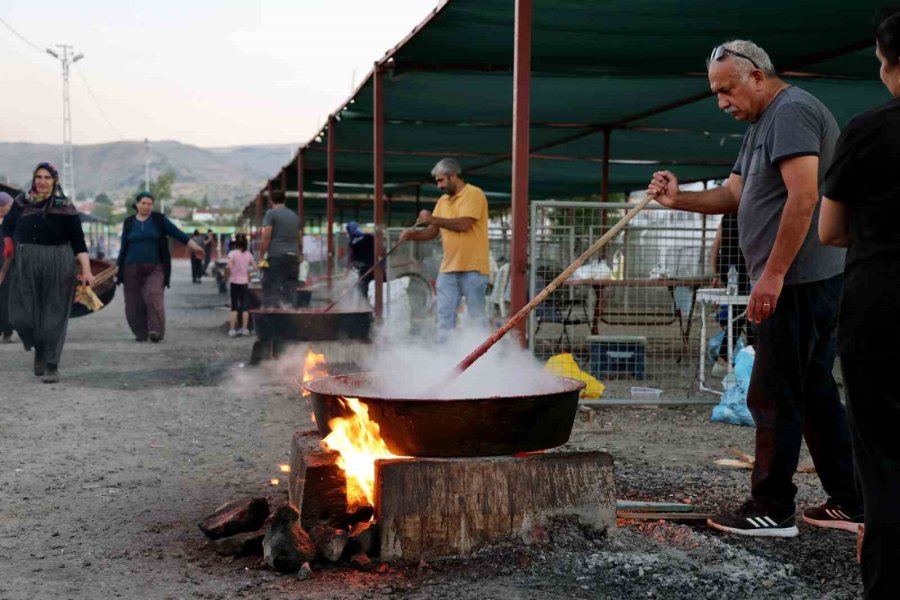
(617,90)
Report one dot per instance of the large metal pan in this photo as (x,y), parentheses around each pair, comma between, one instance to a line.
(495,426)
(105,290)
(310,324)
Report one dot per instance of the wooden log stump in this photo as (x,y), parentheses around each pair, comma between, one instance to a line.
(431,507)
(317,486)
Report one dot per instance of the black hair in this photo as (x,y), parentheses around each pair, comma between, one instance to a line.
(277,197)
(887,34)
(240,243)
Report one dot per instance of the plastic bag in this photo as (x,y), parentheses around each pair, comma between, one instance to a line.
(564,365)
(732,408)
(592,270)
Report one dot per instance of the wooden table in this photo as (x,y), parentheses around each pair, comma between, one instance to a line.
(694,283)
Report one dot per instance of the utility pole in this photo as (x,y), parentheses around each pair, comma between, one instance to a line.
(146,165)
(68,166)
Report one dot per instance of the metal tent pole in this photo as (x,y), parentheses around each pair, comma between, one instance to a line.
(520,155)
(378,178)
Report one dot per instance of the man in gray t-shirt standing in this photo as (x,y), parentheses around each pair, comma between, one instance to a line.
(796,284)
(280,247)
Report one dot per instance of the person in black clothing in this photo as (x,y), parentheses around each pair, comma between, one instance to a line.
(197,261)
(42,236)
(726,252)
(859,211)
(145,267)
(361,255)
(209,242)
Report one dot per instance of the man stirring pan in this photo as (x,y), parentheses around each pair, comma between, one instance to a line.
(796,284)
(460,217)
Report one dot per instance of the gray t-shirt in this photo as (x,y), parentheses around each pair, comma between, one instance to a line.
(285,225)
(794,124)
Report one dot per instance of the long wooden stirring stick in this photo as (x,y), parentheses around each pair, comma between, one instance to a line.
(523,312)
(368,272)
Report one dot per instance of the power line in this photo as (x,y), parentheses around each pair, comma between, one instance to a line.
(97,103)
(22,37)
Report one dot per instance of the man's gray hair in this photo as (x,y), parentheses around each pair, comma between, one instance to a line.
(754,52)
(446,166)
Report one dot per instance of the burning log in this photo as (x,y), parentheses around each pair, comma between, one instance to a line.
(361,561)
(317,485)
(430,507)
(242,544)
(356,515)
(239,516)
(286,546)
(330,542)
(364,538)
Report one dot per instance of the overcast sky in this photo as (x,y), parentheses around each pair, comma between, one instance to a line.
(204,72)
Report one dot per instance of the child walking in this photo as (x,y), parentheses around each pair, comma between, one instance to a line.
(240,262)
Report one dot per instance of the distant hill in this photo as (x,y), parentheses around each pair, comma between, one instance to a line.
(226,176)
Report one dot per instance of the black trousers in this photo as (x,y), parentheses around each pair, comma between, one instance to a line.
(279,284)
(873,401)
(5,325)
(793,396)
(196,268)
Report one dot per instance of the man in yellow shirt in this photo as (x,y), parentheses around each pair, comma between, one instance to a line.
(461,218)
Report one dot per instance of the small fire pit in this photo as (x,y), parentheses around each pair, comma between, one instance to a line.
(456,427)
(311,324)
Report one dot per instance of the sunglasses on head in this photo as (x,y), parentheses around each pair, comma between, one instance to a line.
(719,52)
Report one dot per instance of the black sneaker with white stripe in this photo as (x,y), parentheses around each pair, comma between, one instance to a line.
(752,520)
(834,516)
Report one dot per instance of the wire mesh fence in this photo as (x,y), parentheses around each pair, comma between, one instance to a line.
(629,316)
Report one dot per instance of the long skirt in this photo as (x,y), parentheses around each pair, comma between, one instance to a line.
(5,327)
(145,308)
(40,297)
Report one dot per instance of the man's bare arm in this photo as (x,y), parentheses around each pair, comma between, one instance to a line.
(265,241)
(459,224)
(423,235)
(717,201)
(800,175)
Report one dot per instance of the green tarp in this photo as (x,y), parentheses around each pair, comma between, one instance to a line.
(595,65)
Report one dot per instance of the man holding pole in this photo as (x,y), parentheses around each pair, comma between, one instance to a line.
(796,284)
(461,218)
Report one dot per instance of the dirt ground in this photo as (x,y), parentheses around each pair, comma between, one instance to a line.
(104,477)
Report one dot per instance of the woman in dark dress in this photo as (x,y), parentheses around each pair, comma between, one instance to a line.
(145,267)
(42,236)
(861,194)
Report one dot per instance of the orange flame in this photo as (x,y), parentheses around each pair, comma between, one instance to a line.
(313,368)
(358,441)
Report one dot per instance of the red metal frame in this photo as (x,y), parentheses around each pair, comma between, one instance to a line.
(520,157)
(329,206)
(378,179)
(300,208)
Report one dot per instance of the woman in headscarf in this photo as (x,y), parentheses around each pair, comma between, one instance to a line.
(145,267)
(6,329)
(42,236)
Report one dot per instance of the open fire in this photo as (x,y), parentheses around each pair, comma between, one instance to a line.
(355,438)
(358,441)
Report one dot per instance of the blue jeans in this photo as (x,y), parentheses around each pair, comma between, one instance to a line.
(451,287)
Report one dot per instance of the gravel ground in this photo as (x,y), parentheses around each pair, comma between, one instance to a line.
(104,477)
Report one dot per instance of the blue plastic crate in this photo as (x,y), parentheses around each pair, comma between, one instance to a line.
(615,356)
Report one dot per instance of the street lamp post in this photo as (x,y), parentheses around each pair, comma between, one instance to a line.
(68,166)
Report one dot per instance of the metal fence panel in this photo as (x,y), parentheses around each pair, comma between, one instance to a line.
(629,316)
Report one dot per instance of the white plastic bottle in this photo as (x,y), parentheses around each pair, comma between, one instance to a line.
(732,288)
